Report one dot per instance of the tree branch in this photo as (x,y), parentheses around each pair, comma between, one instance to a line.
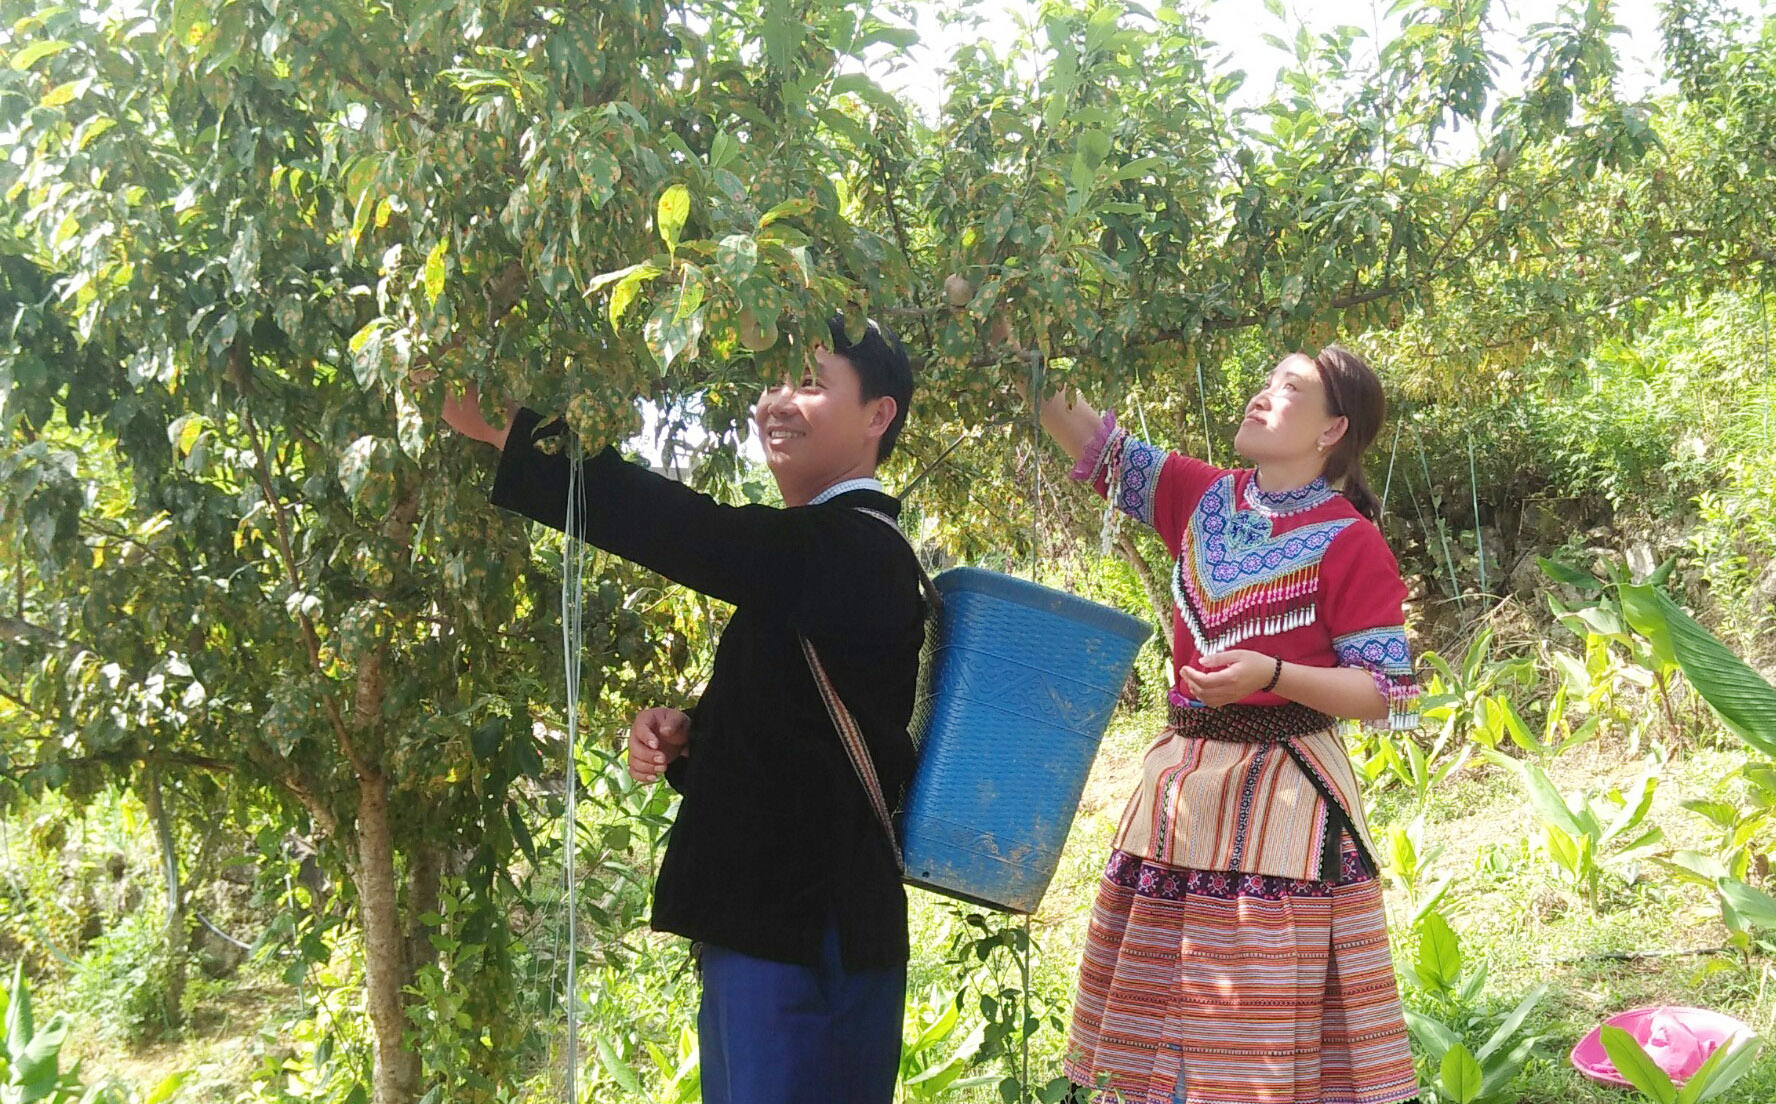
(129,758)
(93,524)
(24,705)
(280,516)
(26,633)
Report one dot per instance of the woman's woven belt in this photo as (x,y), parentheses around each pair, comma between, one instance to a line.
(1253,724)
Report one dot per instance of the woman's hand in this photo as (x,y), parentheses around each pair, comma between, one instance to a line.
(1227,677)
(1070,420)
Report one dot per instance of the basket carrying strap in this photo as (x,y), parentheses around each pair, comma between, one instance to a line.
(850,733)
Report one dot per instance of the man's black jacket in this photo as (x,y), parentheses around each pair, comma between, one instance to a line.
(774,837)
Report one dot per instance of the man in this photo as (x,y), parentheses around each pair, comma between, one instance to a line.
(778,864)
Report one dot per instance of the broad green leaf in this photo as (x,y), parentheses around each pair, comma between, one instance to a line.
(1582,581)
(723,150)
(1502,1068)
(1736,692)
(1439,953)
(1694,866)
(673,211)
(66,92)
(1755,907)
(736,257)
(19,1024)
(670,336)
(1094,146)
(1513,724)
(690,292)
(1433,1036)
(1567,851)
(410,425)
(1549,805)
(1458,1075)
(1726,1065)
(1637,1067)
(782,33)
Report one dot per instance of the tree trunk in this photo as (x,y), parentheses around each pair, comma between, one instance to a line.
(172,995)
(396,1076)
(425,871)
(1156,595)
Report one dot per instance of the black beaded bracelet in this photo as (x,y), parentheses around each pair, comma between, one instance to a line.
(1274,677)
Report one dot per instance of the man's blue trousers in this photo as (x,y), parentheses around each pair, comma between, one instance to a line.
(775,1033)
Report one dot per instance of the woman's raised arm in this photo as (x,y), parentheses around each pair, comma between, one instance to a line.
(1071,422)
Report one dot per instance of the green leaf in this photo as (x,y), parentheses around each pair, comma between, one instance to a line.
(167,1088)
(789,208)
(1582,581)
(1459,1075)
(19,1025)
(722,150)
(1694,866)
(938,1031)
(434,270)
(1736,692)
(1502,1069)
(1636,1067)
(66,92)
(1634,809)
(669,336)
(1439,953)
(410,425)
(1094,146)
(1549,805)
(644,271)
(37,51)
(690,293)
(782,33)
(1568,851)
(619,1070)
(1509,1025)
(673,212)
(736,257)
(1729,1062)
(1752,905)
(901,38)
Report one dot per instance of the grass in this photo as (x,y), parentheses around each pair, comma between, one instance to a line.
(1504,903)
(1525,926)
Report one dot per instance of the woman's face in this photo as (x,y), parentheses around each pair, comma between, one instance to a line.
(1290,418)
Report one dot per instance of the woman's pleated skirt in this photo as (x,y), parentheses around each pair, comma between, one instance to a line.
(1222,987)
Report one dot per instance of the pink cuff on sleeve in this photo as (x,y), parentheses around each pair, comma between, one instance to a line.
(1093,456)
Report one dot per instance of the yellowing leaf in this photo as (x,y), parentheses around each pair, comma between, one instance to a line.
(627,287)
(37,51)
(434,270)
(674,210)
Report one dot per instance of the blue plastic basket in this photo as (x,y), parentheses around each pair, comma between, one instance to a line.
(1018,689)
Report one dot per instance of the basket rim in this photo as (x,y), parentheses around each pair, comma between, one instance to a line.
(994,584)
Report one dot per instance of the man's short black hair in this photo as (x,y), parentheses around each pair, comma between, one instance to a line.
(882,368)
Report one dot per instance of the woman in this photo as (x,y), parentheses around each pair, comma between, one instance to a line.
(1238,948)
